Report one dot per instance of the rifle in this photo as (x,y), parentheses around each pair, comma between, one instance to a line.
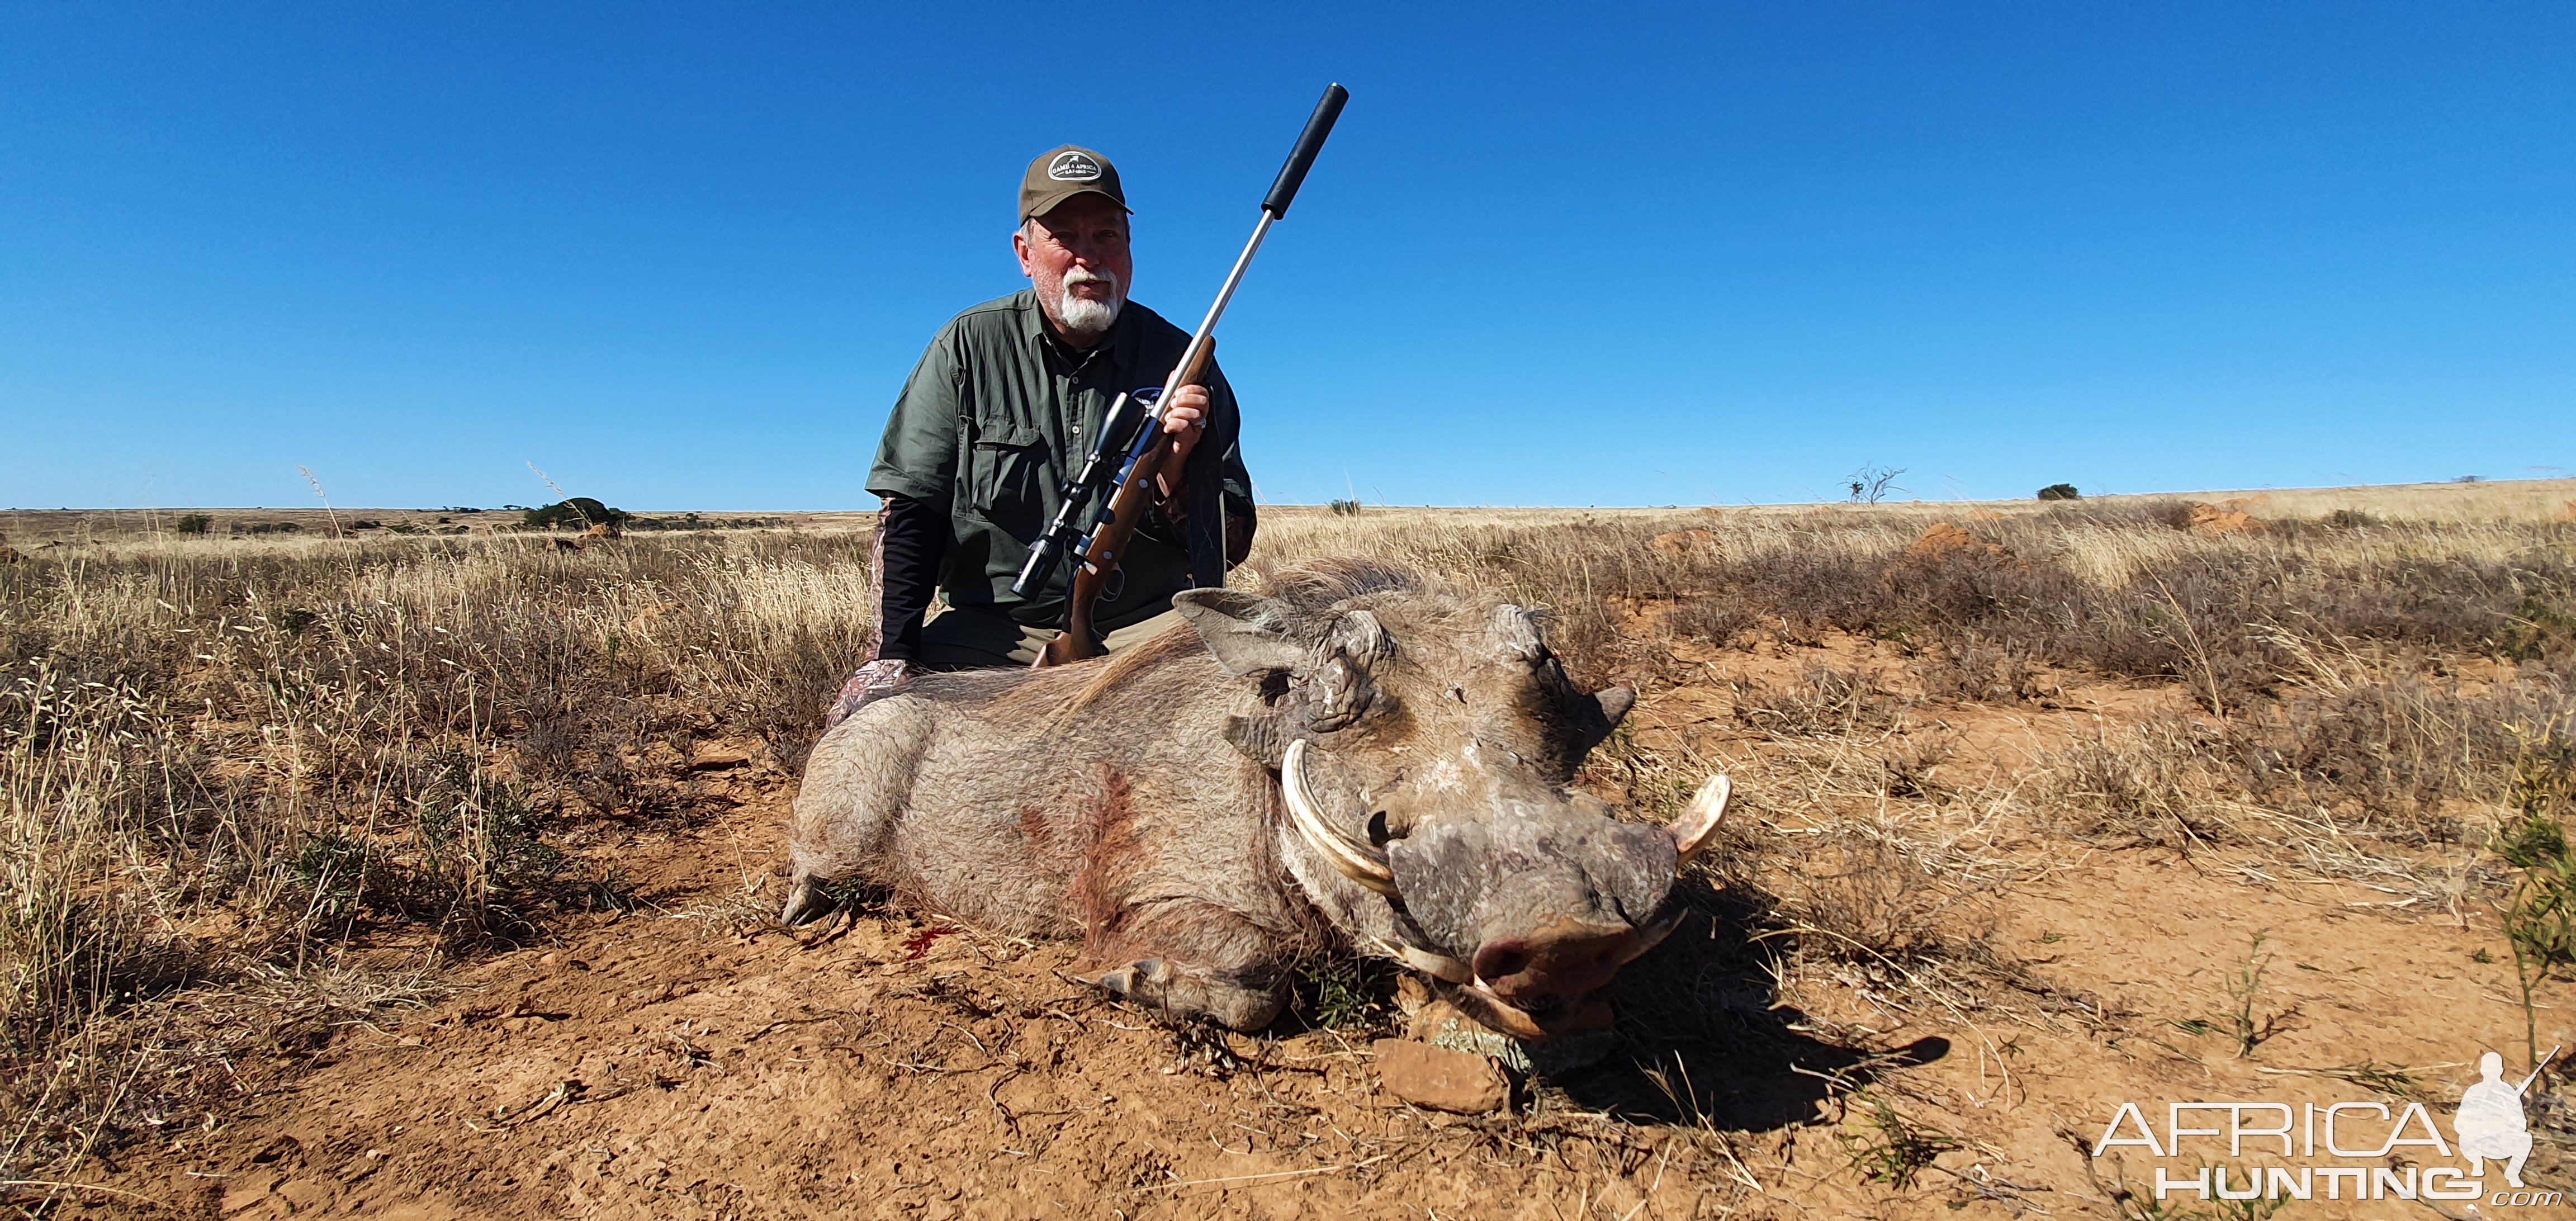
(2535,1070)
(1129,457)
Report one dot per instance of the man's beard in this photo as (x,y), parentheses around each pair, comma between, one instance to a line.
(1082,318)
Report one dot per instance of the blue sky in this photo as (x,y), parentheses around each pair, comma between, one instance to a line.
(681,256)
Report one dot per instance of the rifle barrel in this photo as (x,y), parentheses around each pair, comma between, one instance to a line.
(2535,1069)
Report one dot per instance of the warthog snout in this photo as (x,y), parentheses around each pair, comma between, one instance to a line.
(1529,905)
(1554,965)
(1542,908)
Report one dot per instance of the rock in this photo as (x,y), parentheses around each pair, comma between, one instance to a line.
(1441,1079)
(1411,994)
(1583,1038)
(2211,519)
(713,757)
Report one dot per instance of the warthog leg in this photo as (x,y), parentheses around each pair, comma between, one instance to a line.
(1196,960)
(807,901)
(1185,992)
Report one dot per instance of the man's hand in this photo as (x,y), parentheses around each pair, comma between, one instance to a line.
(1187,413)
(1184,420)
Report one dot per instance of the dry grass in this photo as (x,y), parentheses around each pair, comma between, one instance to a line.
(261,788)
(239,769)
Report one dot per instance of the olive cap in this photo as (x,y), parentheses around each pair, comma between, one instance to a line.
(1063,172)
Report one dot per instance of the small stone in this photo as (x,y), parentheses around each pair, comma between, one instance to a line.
(1410,994)
(717,758)
(1584,1038)
(1441,1079)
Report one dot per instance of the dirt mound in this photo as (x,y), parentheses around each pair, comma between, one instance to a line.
(2214,519)
(1945,542)
(1678,544)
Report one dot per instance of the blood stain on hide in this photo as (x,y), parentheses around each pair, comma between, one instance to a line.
(1033,826)
(1098,891)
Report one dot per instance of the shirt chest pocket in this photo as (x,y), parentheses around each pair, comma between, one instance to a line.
(1004,466)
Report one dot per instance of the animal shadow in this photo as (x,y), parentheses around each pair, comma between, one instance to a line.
(1702,1042)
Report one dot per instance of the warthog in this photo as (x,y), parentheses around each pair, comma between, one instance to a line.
(1361,759)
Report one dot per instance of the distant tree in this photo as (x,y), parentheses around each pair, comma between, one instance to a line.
(577,513)
(2060,491)
(1871,484)
(1344,508)
(194,523)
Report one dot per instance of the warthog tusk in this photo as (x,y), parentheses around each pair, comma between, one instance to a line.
(1348,858)
(1503,1015)
(1698,820)
(1438,966)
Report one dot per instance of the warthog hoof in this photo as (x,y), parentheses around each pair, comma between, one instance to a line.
(1144,981)
(807,902)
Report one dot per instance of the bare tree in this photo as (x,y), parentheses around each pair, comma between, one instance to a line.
(1872,482)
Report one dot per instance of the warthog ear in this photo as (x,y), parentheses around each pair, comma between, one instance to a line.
(1248,634)
(1615,703)
(1597,714)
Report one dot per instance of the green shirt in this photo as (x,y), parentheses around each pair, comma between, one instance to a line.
(996,420)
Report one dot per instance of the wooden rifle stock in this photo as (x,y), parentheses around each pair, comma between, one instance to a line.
(1136,493)
(1160,468)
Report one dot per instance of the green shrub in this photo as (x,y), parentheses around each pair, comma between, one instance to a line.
(194,523)
(577,513)
(2060,491)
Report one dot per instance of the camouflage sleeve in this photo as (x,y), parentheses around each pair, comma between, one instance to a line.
(918,456)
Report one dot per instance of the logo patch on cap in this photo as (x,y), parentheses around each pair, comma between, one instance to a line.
(1073,167)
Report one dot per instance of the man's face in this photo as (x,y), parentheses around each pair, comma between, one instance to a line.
(1077,257)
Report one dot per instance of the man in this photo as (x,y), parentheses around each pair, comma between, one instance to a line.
(2490,1122)
(992,424)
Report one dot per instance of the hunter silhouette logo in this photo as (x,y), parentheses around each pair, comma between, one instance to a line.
(2490,1123)
(1073,167)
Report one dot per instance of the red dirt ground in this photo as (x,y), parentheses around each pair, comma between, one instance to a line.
(691,1060)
